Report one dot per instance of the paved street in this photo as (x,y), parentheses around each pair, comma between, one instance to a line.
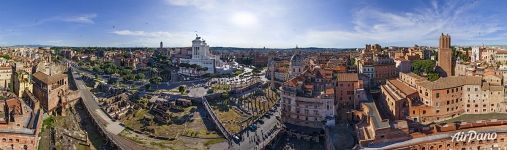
(111,127)
(259,138)
(197,92)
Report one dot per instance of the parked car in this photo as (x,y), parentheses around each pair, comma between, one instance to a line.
(253,127)
(236,138)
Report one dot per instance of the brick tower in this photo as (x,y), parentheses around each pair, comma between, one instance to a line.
(445,55)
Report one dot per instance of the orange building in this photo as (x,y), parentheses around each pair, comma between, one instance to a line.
(397,97)
(385,71)
(445,55)
(346,95)
(19,125)
(51,90)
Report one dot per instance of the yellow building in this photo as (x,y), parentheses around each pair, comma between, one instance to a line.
(21,82)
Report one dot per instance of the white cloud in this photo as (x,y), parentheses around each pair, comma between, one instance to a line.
(80,19)
(129,33)
(146,34)
(421,26)
(229,23)
(274,23)
(244,19)
(201,4)
(86,18)
(143,38)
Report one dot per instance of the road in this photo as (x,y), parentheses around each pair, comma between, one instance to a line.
(260,137)
(110,127)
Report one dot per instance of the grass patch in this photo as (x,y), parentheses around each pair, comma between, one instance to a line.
(159,144)
(134,121)
(48,123)
(131,138)
(231,120)
(214,141)
(82,147)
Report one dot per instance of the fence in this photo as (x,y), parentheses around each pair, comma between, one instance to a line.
(217,122)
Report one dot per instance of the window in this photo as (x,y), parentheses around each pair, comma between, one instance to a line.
(438,95)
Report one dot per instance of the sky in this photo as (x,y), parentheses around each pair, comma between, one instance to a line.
(252,23)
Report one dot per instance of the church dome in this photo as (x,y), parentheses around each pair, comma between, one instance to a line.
(296,60)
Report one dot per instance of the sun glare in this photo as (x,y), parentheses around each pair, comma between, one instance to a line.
(244,19)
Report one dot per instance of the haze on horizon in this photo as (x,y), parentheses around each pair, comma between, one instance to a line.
(243,23)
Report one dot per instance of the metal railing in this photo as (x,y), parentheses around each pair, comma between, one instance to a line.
(217,122)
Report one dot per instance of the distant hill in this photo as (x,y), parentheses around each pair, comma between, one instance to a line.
(32,46)
(260,49)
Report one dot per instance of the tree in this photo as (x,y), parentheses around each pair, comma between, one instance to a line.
(97,69)
(155,80)
(352,61)
(5,56)
(139,76)
(147,86)
(112,81)
(153,71)
(244,60)
(129,77)
(423,66)
(125,72)
(181,89)
(224,95)
(432,76)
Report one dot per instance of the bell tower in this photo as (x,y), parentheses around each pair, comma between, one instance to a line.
(445,55)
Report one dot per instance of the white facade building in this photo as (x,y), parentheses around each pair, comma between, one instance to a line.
(476,54)
(297,65)
(368,70)
(202,56)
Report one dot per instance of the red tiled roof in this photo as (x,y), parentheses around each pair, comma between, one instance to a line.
(48,79)
(407,90)
(347,77)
